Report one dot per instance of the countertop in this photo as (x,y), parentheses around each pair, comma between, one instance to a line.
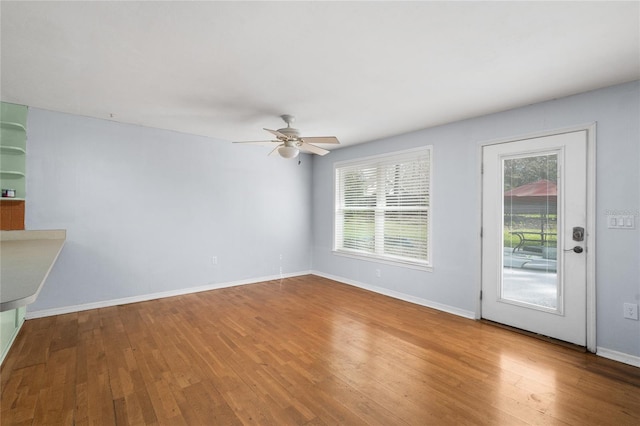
(26,260)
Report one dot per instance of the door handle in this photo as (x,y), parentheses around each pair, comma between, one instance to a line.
(576,249)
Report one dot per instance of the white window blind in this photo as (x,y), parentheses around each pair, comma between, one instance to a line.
(382,207)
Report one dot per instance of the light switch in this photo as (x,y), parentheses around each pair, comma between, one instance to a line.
(621,222)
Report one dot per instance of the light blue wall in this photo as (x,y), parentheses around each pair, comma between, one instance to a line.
(145,209)
(455,280)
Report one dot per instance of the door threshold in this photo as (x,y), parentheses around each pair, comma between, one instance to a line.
(547,339)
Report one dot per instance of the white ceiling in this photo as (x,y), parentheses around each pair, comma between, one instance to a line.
(356,70)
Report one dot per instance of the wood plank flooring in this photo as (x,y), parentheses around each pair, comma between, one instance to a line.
(302,351)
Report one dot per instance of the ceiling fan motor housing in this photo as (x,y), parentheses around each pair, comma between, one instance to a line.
(290,132)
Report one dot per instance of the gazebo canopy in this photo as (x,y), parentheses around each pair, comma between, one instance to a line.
(535,197)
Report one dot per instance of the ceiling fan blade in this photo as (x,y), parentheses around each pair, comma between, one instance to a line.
(277,134)
(321,139)
(307,147)
(275,150)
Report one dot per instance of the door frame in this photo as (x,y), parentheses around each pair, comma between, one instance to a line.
(590,129)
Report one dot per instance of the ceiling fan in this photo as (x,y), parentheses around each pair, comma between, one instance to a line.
(290,143)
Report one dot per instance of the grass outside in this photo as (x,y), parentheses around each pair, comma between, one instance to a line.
(532,235)
(530,226)
(414,229)
(406,233)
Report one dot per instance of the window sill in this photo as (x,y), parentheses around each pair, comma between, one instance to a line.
(384,260)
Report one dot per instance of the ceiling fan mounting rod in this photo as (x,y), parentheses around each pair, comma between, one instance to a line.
(289,119)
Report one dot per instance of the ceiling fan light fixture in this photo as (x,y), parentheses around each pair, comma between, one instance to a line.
(288,151)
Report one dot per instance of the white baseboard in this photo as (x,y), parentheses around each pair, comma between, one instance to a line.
(402,296)
(618,356)
(153,296)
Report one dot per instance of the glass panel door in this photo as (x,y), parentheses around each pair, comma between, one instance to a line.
(534,268)
(530,231)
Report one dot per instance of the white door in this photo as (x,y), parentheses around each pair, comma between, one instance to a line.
(534,240)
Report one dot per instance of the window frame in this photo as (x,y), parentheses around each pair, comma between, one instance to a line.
(377,161)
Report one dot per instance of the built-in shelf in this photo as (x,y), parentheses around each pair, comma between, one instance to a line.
(13,164)
(15,150)
(12,126)
(11,174)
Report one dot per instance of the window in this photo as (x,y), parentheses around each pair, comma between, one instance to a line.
(382,207)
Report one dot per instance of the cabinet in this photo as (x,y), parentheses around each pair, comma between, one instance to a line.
(13,149)
(10,324)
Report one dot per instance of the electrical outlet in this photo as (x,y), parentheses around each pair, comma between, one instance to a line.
(214,260)
(631,311)
(378,273)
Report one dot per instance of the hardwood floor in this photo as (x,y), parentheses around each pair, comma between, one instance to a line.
(304,351)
